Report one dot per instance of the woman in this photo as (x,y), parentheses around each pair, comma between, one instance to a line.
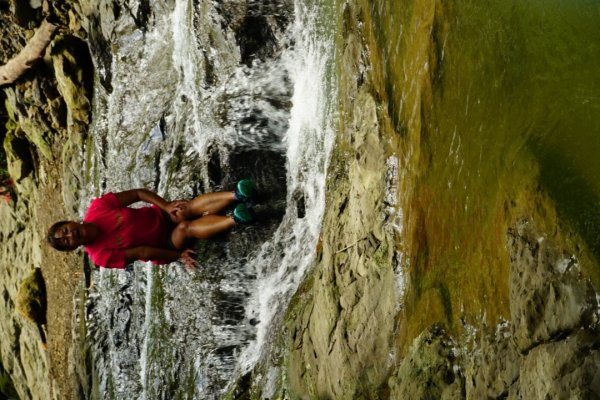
(114,234)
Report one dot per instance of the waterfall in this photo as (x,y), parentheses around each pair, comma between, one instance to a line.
(186,116)
(309,140)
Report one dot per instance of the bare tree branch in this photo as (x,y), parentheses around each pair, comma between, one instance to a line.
(31,53)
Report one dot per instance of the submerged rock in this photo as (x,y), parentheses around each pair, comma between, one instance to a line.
(549,345)
(492,368)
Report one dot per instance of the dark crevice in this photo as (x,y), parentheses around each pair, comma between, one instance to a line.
(157,175)
(256,39)
(144,12)
(214,166)
(101,51)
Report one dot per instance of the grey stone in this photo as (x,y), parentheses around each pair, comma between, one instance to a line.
(493,368)
(429,370)
(545,302)
(568,369)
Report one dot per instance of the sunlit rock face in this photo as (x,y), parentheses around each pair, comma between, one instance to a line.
(44,119)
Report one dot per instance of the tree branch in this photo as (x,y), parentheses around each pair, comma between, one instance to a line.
(31,53)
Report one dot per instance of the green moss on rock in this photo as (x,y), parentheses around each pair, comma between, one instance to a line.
(19,162)
(31,298)
(70,58)
(7,388)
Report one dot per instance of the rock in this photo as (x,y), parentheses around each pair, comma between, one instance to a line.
(569,369)
(258,32)
(343,350)
(549,297)
(429,370)
(233,12)
(493,368)
(18,156)
(31,120)
(36,118)
(548,347)
(31,298)
(21,352)
(7,387)
(256,39)
(73,69)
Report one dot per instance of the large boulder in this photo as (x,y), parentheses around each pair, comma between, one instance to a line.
(493,366)
(548,348)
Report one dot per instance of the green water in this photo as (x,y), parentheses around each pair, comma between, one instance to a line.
(496,104)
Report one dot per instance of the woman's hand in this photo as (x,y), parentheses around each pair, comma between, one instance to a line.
(188,258)
(177,210)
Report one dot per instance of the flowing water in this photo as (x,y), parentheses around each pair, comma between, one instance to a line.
(186,113)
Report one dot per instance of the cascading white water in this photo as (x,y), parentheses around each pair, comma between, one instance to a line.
(161,331)
(309,141)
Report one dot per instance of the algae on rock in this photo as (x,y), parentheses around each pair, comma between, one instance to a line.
(31,298)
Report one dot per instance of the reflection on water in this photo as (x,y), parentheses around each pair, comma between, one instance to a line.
(575,196)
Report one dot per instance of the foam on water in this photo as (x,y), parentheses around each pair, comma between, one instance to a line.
(186,60)
(147,321)
(309,140)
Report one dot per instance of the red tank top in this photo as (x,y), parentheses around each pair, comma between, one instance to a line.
(123,228)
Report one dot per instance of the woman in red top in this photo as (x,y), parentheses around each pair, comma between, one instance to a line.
(114,234)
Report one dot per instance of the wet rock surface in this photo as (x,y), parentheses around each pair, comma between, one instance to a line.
(550,298)
(562,369)
(341,328)
(553,326)
(158,157)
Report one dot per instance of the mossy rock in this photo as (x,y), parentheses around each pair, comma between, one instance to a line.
(18,154)
(31,299)
(7,387)
(72,68)
(28,122)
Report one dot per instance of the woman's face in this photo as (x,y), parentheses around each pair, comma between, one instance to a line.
(71,235)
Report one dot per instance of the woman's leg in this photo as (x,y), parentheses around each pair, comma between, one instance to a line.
(201,228)
(209,203)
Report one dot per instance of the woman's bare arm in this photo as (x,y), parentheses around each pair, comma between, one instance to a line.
(134,195)
(158,253)
(174,208)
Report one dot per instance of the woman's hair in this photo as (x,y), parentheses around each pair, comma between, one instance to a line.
(55,243)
